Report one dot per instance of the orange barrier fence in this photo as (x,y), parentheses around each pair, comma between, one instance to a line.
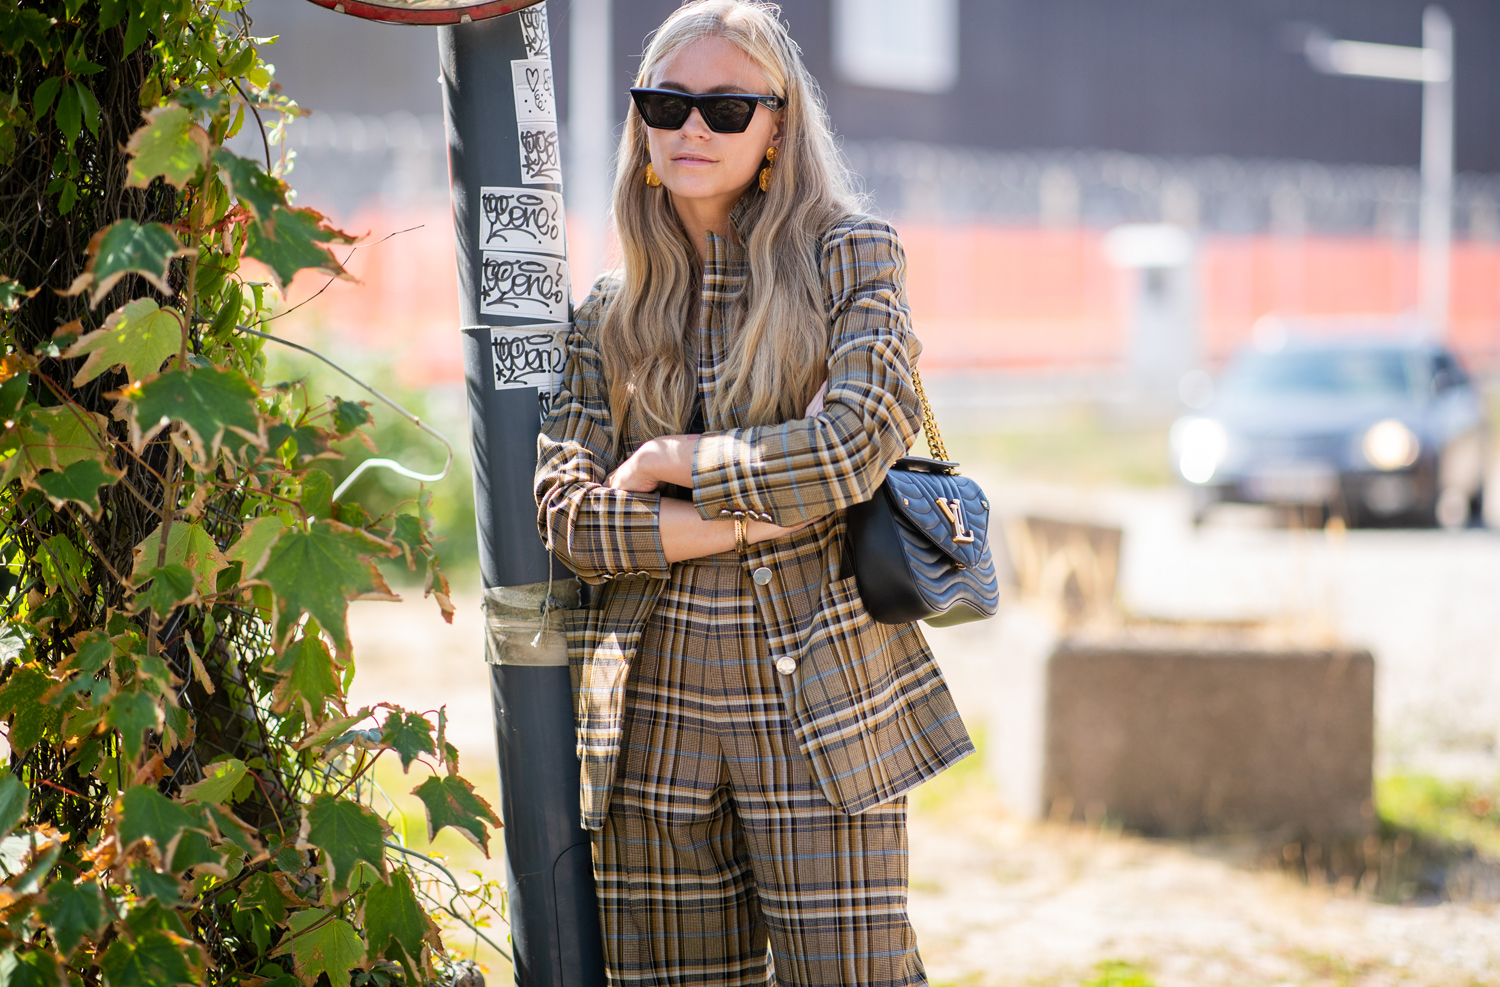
(982,296)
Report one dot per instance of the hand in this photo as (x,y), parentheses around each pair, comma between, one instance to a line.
(664,459)
(759,531)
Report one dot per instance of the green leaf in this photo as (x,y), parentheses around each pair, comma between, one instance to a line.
(231,828)
(126,247)
(62,566)
(319,571)
(188,545)
(451,801)
(292,240)
(347,833)
(147,813)
(153,959)
(14,797)
(12,393)
(43,97)
(325,945)
(262,891)
(394,920)
(208,402)
(171,586)
(64,434)
(255,542)
(317,494)
(154,915)
(406,532)
(193,849)
(311,442)
(219,782)
(89,104)
(257,191)
(35,969)
(349,415)
(170,144)
(11,296)
(22,695)
(310,678)
(79,483)
(69,114)
(141,336)
(151,883)
(409,735)
(133,713)
(72,912)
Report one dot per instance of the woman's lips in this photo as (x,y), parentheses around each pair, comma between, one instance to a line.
(691,159)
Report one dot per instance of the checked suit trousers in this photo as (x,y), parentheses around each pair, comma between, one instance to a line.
(718,843)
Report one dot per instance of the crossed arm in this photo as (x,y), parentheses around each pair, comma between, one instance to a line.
(684,534)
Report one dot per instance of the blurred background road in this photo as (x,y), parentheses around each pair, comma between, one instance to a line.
(1103,201)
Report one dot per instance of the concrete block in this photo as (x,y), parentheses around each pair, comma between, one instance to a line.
(1182,740)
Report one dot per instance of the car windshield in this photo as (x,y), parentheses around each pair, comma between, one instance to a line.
(1330,372)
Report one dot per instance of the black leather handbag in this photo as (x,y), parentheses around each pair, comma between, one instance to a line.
(921,545)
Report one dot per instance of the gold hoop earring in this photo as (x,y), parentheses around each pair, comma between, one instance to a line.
(765,173)
(651,178)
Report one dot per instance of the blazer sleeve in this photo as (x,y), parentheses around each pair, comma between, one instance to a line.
(810,467)
(599,532)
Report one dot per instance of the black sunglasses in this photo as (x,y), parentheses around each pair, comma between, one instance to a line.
(725,113)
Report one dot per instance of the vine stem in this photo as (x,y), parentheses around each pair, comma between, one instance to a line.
(456,887)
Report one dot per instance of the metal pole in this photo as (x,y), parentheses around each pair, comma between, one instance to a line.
(1436,220)
(498,102)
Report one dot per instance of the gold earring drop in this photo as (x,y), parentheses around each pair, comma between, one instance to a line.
(765,173)
(651,178)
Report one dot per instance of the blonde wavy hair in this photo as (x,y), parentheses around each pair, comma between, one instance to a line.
(648,334)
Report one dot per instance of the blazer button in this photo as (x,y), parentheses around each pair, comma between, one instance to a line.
(786,664)
(761,576)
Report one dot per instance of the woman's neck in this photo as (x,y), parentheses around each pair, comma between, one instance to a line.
(699,217)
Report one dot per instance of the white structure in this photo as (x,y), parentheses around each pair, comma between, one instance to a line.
(1432,66)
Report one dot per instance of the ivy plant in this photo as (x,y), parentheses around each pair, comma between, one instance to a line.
(189,798)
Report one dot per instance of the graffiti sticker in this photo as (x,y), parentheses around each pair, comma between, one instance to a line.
(540,161)
(535,100)
(524,219)
(526,285)
(534,32)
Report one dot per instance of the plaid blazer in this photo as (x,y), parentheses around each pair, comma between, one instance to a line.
(867,701)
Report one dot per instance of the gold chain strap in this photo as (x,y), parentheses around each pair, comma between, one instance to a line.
(929,421)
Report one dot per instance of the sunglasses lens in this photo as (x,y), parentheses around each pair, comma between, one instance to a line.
(727,116)
(663,111)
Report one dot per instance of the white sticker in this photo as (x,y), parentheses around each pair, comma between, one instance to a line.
(529,356)
(524,219)
(540,161)
(535,100)
(534,31)
(525,285)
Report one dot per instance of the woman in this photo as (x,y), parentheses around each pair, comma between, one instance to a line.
(746,732)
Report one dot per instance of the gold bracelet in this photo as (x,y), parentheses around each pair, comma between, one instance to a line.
(741,536)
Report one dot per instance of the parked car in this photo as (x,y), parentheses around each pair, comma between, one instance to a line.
(1372,430)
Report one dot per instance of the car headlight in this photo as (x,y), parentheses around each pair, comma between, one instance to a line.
(1390,445)
(1201,445)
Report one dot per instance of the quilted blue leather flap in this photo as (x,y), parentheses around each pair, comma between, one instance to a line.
(950,510)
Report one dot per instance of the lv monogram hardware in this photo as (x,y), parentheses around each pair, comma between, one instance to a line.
(954,511)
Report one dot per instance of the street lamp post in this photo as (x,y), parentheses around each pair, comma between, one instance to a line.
(1432,66)
(505,169)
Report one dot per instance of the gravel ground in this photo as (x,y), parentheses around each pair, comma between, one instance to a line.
(998,902)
